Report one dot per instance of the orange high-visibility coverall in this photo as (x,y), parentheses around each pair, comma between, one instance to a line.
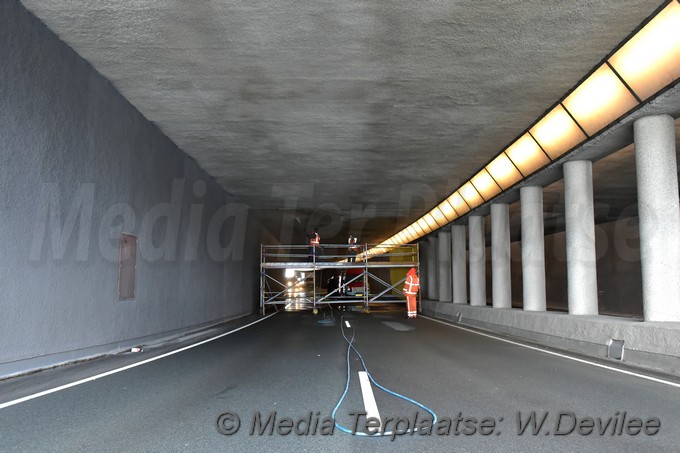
(411,287)
(314,243)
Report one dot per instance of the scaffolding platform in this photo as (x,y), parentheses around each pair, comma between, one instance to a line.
(299,277)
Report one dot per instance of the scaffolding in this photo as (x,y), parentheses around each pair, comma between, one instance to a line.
(299,276)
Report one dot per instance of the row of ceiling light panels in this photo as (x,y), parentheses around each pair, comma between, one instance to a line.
(644,65)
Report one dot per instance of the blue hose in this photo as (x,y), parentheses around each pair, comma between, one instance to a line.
(350,347)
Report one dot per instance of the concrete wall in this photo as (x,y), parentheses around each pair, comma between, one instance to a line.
(619,277)
(78,166)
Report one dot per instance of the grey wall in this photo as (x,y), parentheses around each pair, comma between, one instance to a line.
(78,166)
(619,278)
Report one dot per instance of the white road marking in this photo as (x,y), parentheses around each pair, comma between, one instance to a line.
(575,359)
(369,399)
(347,324)
(127,367)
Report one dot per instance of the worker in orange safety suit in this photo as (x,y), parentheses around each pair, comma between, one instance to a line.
(314,243)
(411,287)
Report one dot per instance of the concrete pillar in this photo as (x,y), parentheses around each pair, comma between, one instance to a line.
(580,232)
(422,271)
(432,287)
(458,264)
(533,248)
(477,261)
(657,185)
(444,265)
(501,292)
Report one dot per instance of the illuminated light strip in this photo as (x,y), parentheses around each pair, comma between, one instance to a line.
(494,179)
(575,122)
(471,190)
(654,36)
(436,212)
(515,165)
(480,175)
(504,171)
(565,356)
(539,145)
(430,216)
(625,84)
(455,213)
(463,198)
(478,192)
(127,367)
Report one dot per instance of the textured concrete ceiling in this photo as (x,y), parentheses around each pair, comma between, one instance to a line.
(352,106)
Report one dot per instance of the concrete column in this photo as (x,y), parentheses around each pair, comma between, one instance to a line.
(422,271)
(458,264)
(444,265)
(501,293)
(432,287)
(657,185)
(533,248)
(580,232)
(477,261)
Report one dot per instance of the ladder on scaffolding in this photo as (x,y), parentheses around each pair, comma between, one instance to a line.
(294,276)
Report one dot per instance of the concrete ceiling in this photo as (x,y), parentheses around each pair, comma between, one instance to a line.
(354,106)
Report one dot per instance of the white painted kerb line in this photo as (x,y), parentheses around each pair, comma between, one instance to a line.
(575,359)
(369,399)
(127,367)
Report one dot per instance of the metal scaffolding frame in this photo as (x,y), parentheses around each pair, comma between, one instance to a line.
(355,272)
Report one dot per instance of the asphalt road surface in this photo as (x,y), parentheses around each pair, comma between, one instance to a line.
(281,378)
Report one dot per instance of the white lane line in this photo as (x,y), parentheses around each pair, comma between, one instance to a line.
(575,359)
(369,399)
(127,367)
(347,324)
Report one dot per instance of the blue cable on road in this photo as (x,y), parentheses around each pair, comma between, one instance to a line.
(325,320)
(350,347)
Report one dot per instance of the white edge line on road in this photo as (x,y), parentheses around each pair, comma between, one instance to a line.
(347,324)
(575,359)
(127,367)
(369,399)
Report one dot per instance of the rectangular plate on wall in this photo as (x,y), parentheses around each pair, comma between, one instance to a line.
(127,266)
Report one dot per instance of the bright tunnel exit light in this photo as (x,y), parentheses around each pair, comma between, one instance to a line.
(599,100)
(650,60)
(557,133)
